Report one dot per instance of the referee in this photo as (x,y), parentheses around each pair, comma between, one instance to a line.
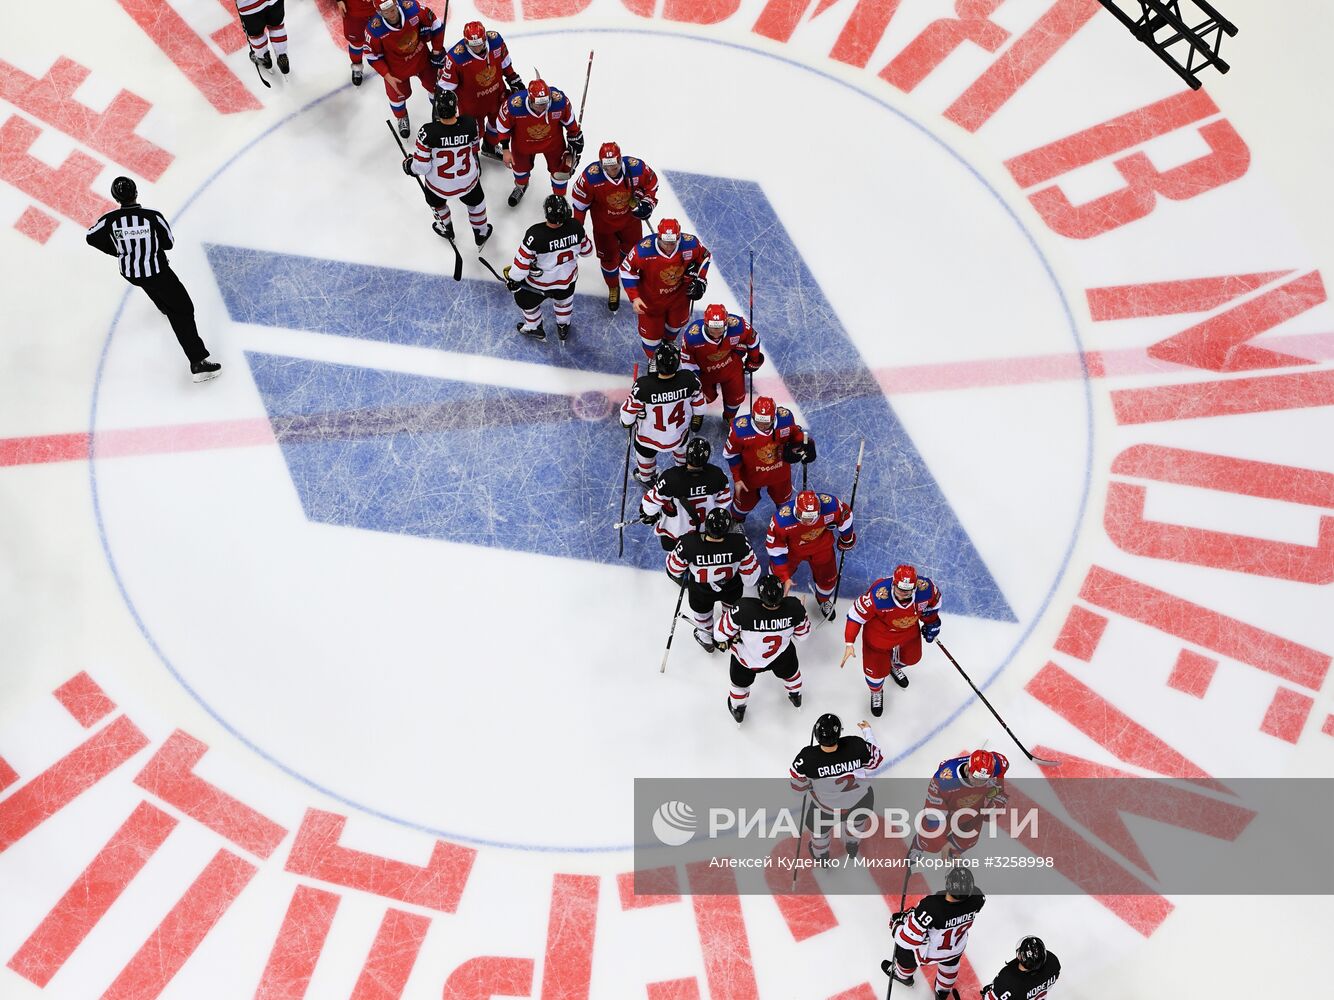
(140,238)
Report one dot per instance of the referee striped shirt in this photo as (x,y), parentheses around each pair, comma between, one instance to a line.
(139,237)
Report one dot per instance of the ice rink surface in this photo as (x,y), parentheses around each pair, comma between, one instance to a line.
(325,679)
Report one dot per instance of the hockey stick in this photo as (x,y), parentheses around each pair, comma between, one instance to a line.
(1040,761)
(625,486)
(574,161)
(852,502)
(750,376)
(250,51)
(675,616)
(801,830)
(458,257)
(903,904)
(487,264)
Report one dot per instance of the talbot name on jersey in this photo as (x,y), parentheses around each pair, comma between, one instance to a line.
(450,141)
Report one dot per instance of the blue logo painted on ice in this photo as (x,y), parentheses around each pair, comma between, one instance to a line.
(538,472)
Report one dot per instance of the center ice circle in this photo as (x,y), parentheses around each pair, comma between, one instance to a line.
(504,697)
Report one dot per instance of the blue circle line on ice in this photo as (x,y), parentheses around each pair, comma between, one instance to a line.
(256,748)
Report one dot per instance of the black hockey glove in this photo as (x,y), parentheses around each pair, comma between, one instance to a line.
(510,283)
(696,422)
(846,543)
(407,165)
(794,452)
(648,518)
(930,630)
(643,209)
(808,449)
(514,82)
(576,145)
(698,286)
(754,360)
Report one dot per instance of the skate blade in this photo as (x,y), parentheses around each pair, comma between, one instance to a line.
(204,376)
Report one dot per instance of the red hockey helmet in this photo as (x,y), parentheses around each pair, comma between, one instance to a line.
(905,583)
(538,94)
(474,34)
(762,413)
(715,321)
(609,152)
(669,231)
(808,506)
(982,766)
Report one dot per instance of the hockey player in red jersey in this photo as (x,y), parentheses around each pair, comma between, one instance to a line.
(810,530)
(403,41)
(892,617)
(663,275)
(664,407)
(539,121)
(621,191)
(723,347)
(478,68)
(356,14)
(959,790)
(265,28)
(935,932)
(761,447)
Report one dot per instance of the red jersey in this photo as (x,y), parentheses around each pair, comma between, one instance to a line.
(790,540)
(402,50)
(611,200)
(363,9)
(479,80)
(531,132)
(661,279)
(887,622)
(950,789)
(753,454)
(713,358)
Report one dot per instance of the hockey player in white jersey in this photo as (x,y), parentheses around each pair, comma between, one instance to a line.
(935,932)
(834,772)
(680,497)
(446,158)
(761,633)
(546,266)
(668,405)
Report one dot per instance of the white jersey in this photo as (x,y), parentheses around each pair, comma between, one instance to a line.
(446,156)
(762,634)
(663,408)
(836,778)
(548,257)
(936,930)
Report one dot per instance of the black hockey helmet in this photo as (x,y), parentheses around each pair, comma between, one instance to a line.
(124,191)
(666,359)
(698,452)
(717,523)
(959,883)
(445,104)
(556,209)
(1031,952)
(828,728)
(770,590)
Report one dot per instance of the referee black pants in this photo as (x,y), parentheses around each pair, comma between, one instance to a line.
(173,301)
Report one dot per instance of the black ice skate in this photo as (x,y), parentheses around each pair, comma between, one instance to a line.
(613,298)
(403,128)
(643,479)
(283,66)
(563,332)
(889,969)
(265,62)
(852,847)
(534,333)
(821,860)
(202,371)
(356,75)
(490,151)
(795,698)
(517,194)
(826,607)
(738,712)
(445,229)
(900,678)
(480,236)
(877,703)
(706,641)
